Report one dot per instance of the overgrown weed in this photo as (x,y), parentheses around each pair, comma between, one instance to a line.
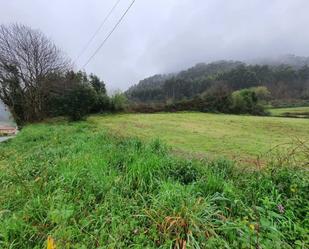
(88,189)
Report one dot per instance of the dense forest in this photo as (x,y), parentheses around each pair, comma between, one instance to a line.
(284,82)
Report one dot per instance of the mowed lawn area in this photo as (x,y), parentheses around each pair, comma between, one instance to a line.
(233,136)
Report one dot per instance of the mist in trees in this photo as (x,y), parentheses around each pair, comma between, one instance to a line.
(38,81)
(223,86)
(283,81)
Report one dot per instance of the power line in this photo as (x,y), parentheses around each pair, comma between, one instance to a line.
(97,31)
(109,34)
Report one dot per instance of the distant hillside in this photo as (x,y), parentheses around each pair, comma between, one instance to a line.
(149,88)
(286,77)
(199,76)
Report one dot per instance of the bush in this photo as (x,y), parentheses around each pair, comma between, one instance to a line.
(79,102)
(118,102)
(262,93)
(82,95)
(245,101)
(102,104)
(217,99)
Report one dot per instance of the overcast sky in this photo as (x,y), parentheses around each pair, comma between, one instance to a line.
(159,36)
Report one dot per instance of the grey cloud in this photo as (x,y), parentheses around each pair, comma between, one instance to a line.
(166,35)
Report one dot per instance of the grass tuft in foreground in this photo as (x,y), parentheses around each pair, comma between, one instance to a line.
(88,189)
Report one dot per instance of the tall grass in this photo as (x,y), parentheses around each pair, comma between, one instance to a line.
(88,189)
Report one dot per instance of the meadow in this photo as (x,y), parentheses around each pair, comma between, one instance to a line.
(241,138)
(84,187)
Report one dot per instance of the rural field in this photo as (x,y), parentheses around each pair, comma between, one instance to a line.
(95,189)
(242,138)
(167,125)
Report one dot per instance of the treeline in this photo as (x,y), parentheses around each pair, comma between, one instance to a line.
(284,82)
(185,84)
(218,99)
(37,81)
(76,94)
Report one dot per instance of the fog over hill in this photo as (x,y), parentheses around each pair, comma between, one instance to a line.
(162,36)
(294,61)
(286,77)
(202,68)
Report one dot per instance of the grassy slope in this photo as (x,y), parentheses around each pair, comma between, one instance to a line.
(88,189)
(211,134)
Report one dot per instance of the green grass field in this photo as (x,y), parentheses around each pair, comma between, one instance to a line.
(233,136)
(301,112)
(86,188)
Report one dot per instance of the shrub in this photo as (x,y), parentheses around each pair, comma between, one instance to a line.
(217,99)
(245,101)
(262,93)
(102,104)
(79,102)
(118,102)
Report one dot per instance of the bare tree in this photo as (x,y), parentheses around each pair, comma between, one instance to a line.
(27,59)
